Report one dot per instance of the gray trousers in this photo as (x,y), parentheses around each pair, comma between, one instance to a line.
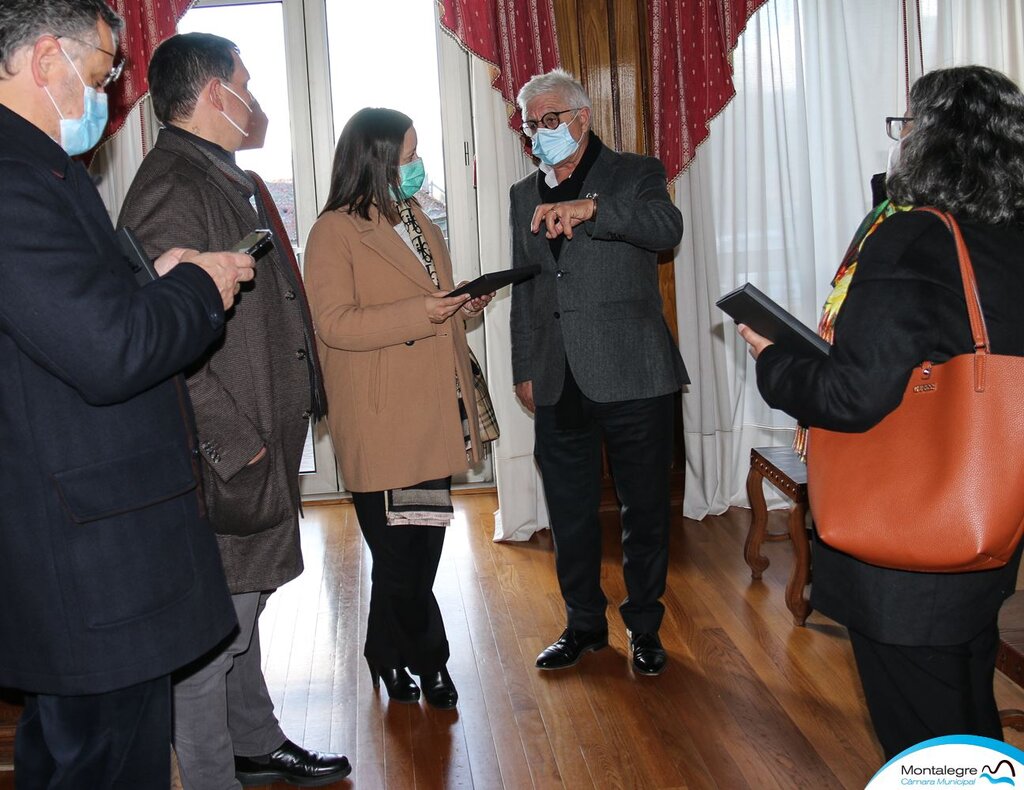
(223,708)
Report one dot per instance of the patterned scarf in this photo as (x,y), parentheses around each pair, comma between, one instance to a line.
(419,243)
(840,287)
(426,504)
(487,420)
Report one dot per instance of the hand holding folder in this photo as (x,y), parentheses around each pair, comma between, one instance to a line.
(747,305)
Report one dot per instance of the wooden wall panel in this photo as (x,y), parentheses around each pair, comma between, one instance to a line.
(596,55)
(604,42)
(629,42)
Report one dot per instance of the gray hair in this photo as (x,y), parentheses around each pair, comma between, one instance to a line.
(23,21)
(555,81)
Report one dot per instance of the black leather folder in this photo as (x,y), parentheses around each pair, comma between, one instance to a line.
(492,281)
(747,305)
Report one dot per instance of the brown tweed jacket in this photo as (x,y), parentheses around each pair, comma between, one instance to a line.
(251,389)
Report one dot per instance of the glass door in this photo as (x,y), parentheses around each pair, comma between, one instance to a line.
(313,63)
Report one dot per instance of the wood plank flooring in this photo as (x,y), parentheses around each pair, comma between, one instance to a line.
(748,700)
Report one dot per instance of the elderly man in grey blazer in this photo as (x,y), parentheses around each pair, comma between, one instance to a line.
(254,394)
(593,358)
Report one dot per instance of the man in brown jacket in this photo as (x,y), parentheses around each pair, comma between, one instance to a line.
(254,394)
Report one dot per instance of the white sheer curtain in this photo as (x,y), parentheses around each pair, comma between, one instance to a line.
(775,194)
(500,162)
(772,199)
(991,33)
(116,162)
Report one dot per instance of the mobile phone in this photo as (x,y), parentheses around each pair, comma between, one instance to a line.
(257,244)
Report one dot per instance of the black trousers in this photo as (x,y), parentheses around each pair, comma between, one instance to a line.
(638,436)
(118,740)
(404,628)
(917,693)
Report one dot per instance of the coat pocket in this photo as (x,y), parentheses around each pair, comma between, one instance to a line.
(110,488)
(128,543)
(619,310)
(378,381)
(254,500)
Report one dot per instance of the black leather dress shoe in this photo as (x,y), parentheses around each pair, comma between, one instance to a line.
(570,647)
(648,655)
(293,765)
(439,690)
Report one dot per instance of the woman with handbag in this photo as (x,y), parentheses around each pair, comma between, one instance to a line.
(924,641)
(401,404)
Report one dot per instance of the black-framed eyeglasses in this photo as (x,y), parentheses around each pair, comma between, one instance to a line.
(550,120)
(114,74)
(895,125)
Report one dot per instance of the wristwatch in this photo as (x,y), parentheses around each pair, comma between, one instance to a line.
(593,196)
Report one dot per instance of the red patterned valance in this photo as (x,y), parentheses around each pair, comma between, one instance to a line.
(515,36)
(692,79)
(146,24)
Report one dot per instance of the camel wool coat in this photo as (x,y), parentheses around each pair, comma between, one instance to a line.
(389,372)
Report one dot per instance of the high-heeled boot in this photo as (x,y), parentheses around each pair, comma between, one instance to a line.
(401,687)
(439,689)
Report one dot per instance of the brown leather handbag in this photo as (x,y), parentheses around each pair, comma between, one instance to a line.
(938,484)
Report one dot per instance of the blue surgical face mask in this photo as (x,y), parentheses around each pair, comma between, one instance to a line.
(412,175)
(552,146)
(78,135)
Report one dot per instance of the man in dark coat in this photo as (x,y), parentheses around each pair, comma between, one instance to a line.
(593,357)
(254,395)
(109,573)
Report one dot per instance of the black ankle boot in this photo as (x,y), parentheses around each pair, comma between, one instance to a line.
(439,689)
(401,687)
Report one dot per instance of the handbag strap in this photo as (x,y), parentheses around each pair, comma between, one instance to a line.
(979,331)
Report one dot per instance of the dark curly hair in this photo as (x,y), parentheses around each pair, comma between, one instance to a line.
(964,152)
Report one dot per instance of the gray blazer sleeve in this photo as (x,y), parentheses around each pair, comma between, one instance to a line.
(645,216)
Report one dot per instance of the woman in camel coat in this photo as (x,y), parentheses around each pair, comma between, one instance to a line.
(394,355)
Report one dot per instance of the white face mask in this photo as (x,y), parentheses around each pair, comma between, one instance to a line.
(894,158)
(244,104)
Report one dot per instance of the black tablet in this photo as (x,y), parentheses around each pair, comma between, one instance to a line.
(747,305)
(492,281)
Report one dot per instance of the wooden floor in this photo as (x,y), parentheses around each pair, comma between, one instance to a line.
(748,700)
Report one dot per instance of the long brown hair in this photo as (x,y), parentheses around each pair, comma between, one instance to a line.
(365,170)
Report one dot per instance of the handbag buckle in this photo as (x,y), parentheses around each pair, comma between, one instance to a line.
(926,373)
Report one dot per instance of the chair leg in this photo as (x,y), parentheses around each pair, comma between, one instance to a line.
(758,525)
(798,577)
